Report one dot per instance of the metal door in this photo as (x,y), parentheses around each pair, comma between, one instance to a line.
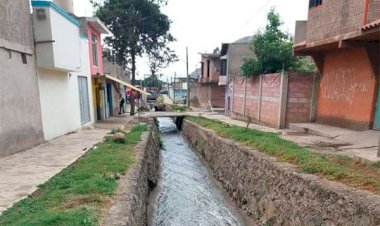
(376,124)
(84,100)
(109,99)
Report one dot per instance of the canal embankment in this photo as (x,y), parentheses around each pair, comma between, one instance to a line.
(187,193)
(277,193)
(131,202)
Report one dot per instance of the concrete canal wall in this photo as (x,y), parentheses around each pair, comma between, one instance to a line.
(131,203)
(274,193)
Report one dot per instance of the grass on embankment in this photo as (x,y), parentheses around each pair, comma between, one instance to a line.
(332,167)
(77,195)
(177,107)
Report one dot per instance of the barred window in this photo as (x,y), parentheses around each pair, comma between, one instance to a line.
(223,67)
(315,3)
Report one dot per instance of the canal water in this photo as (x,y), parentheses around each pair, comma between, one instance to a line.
(187,194)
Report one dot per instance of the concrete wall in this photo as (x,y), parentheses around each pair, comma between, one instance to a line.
(235,56)
(275,193)
(373,10)
(115,70)
(130,205)
(347,92)
(203,93)
(57,38)
(335,17)
(20,114)
(273,101)
(59,102)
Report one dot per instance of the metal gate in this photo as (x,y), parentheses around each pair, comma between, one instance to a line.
(84,100)
(376,124)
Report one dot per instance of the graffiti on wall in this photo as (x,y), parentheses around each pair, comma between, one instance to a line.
(343,85)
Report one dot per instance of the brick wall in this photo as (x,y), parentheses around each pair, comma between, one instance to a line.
(300,91)
(347,90)
(270,105)
(335,17)
(300,87)
(201,94)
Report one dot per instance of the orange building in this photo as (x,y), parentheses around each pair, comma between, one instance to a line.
(342,37)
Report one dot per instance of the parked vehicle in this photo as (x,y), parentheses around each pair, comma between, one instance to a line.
(152,96)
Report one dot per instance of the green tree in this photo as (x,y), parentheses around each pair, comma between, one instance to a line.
(137,27)
(272,49)
(160,55)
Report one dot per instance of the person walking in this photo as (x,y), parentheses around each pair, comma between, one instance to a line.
(122,102)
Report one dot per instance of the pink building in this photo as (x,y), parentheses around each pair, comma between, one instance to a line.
(92,29)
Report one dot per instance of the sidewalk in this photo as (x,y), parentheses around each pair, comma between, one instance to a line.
(21,173)
(326,139)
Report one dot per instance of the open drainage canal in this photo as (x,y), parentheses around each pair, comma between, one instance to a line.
(187,194)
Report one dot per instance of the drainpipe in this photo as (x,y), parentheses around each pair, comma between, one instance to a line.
(366,8)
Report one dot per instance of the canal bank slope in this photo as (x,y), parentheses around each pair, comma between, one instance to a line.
(274,192)
(130,206)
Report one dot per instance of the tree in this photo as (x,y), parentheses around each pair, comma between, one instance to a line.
(160,55)
(272,49)
(137,26)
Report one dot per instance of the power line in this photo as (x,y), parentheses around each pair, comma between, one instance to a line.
(257,13)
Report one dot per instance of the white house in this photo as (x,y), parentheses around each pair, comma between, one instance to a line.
(63,69)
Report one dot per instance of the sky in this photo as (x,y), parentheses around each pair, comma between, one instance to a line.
(203,25)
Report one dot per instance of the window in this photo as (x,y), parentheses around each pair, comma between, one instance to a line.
(95,49)
(23,58)
(223,67)
(315,3)
(202,69)
(208,68)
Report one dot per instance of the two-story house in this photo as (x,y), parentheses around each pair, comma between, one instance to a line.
(342,37)
(20,112)
(92,28)
(209,93)
(231,59)
(62,67)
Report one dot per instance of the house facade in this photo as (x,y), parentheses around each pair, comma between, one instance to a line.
(342,37)
(91,28)
(231,59)
(20,114)
(64,79)
(118,90)
(208,92)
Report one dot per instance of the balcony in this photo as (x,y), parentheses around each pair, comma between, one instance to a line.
(56,35)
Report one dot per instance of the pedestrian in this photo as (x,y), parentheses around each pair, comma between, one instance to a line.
(122,102)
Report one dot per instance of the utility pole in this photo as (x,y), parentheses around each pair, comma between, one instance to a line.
(188,78)
(175,75)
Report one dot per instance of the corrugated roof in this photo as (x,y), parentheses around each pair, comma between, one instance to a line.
(300,45)
(372,25)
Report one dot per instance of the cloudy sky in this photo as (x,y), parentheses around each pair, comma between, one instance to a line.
(202,25)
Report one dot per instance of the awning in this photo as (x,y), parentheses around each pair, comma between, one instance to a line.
(126,84)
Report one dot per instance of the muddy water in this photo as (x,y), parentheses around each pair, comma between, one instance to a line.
(187,194)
